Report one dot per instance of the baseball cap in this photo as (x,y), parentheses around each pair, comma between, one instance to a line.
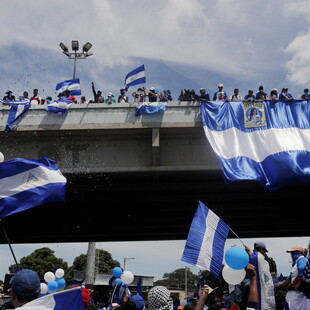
(296,248)
(139,301)
(220,85)
(152,88)
(26,282)
(260,244)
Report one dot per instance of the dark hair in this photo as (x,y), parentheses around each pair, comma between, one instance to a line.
(25,299)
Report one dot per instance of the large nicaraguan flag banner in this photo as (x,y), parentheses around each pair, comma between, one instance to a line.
(61,106)
(70,299)
(26,183)
(73,85)
(150,108)
(135,77)
(274,154)
(17,110)
(206,240)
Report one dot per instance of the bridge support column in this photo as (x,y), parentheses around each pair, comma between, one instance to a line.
(155,147)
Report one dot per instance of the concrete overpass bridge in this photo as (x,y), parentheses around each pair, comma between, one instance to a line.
(138,178)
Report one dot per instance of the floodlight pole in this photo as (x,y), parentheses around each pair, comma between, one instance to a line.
(75,55)
(74,67)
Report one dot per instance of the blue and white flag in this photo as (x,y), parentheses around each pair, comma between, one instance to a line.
(150,108)
(17,110)
(273,155)
(61,106)
(70,299)
(135,77)
(26,183)
(73,85)
(206,240)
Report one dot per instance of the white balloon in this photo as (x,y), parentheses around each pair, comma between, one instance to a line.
(59,273)
(127,277)
(43,288)
(1,157)
(183,302)
(233,276)
(49,276)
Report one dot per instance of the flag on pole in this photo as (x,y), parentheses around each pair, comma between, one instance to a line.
(206,240)
(73,85)
(135,77)
(26,183)
(17,110)
(61,106)
(274,153)
(70,299)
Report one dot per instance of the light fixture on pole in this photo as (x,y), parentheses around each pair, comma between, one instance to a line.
(75,54)
(126,259)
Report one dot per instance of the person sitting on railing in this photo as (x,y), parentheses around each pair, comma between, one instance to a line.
(110,99)
(122,96)
(203,95)
(9,96)
(249,96)
(98,98)
(285,95)
(261,95)
(220,94)
(235,96)
(139,95)
(274,95)
(165,96)
(152,95)
(305,95)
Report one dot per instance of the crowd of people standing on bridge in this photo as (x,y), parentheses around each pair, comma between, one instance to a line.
(154,95)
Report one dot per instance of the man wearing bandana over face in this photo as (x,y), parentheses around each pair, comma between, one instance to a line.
(295,299)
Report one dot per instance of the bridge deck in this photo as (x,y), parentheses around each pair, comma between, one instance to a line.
(138,178)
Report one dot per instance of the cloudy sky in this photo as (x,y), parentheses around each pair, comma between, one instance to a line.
(184,43)
(253,42)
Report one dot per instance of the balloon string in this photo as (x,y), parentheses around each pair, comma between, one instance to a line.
(237,236)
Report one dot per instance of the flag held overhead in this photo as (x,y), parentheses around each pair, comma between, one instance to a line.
(72,85)
(135,77)
(26,183)
(206,240)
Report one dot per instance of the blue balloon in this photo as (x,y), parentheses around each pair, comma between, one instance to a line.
(118,281)
(52,286)
(236,258)
(61,282)
(117,272)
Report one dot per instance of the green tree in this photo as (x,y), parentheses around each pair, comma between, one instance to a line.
(42,260)
(176,279)
(104,262)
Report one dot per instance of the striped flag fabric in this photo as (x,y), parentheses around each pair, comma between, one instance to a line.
(17,110)
(26,183)
(72,85)
(206,240)
(70,299)
(61,106)
(135,77)
(273,151)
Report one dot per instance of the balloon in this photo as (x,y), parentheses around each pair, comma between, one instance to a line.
(43,288)
(59,273)
(117,272)
(236,258)
(127,277)
(61,282)
(1,157)
(49,276)
(233,276)
(118,281)
(52,286)
(183,302)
